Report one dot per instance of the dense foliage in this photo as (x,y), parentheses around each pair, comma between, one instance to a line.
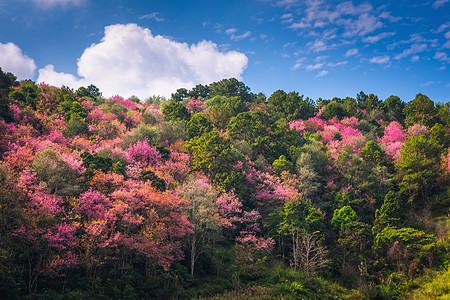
(221,193)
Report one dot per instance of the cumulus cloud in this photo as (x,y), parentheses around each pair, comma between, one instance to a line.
(129,60)
(50,76)
(13,60)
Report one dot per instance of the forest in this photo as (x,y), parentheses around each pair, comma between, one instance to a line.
(221,193)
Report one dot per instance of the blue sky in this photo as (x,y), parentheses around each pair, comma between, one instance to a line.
(318,48)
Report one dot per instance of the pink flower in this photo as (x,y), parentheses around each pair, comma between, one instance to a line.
(143,154)
(195,106)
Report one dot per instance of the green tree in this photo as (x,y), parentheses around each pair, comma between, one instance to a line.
(198,125)
(444,113)
(91,91)
(333,109)
(140,134)
(213,154)
(180,95)
(311,168)
(75,126)
(351,106)
(12,217)
(282,164)
(175,111)
(421,110)
(7,80)
(263,135)
(418,167)
(231,88)
(394,107)
(289,106)
(202,214)
(440,136)
(373,152)
(392,213)
(342,217)
(27,95)
(222,109)
(414,240)
(353,236)
(55,174)
(367,102)
(304,224)
(199,92)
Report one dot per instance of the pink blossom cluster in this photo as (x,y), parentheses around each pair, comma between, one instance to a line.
(392,140)
(143,154)
(417,130)
(195,106)
(127,103)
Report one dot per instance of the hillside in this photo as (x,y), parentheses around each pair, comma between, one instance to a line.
(221,192)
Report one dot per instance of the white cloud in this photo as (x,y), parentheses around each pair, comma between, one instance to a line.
(439,3)
(347,8)
(363,25)
(321,74)
(375,38)
(241,36)
(447,35)
(447,44)
(63,3)
(443,27)
(49,76)
(380,59)
(415,48)
(337,64)
(129,60)
(13,60)
(230,30)
(351,52)
(320,24)
(287,3)
(318,46)
(286,16)
(387,15)
(153,16)
(320,58)
(299,25)
(298,63)
(313,67)
(442,56)
(415,58)
(430,83)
